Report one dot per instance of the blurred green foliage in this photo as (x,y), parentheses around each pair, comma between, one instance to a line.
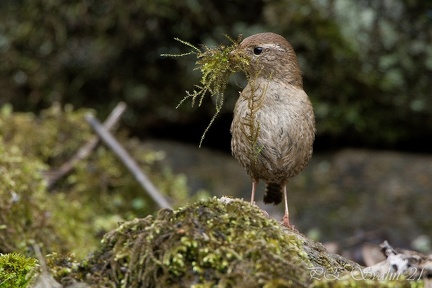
(367,64)
(93,199)
(23,204)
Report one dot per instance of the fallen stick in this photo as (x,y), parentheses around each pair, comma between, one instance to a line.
(127,160)
(56,174)
(413,265)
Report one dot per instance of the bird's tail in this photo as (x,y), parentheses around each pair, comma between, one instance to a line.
(273,193)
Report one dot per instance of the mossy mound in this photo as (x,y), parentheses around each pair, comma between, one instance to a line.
(213,243)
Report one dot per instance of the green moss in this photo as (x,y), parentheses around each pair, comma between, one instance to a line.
(206,244)
(216,66)
(81,207)
(215,243)
(16,270)
(23,202)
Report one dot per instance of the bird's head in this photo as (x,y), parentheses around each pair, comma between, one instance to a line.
(269,55)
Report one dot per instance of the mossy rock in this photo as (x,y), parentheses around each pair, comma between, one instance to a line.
(216,243)
(213,243)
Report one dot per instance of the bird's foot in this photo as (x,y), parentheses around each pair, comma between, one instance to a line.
(286,222)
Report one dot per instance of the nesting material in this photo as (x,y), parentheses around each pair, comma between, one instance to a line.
(216,65)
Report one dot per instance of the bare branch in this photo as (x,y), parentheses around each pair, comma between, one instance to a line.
(56,174)
(127,160)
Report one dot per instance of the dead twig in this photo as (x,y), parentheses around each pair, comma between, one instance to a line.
(56,174)
(44,279)
(127,160)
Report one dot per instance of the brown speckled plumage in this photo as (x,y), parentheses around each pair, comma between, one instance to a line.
(273,127)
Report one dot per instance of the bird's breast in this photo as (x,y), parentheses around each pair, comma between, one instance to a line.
(273,131)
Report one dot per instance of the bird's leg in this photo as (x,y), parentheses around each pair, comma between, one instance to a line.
(254,184)
(285,219)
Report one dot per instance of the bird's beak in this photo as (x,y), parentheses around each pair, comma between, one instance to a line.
(236,54)
(233,54)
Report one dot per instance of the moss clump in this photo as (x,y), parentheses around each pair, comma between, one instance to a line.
(216,66)
(16,270)
(214,243)
(207,244)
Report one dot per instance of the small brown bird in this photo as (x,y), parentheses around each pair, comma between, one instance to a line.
(274,125)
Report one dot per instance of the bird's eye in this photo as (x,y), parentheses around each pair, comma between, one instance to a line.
(257,50)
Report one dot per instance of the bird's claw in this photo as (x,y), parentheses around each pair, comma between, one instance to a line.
(286,222)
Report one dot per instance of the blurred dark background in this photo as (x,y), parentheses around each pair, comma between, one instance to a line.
(367,64)
(367,67)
